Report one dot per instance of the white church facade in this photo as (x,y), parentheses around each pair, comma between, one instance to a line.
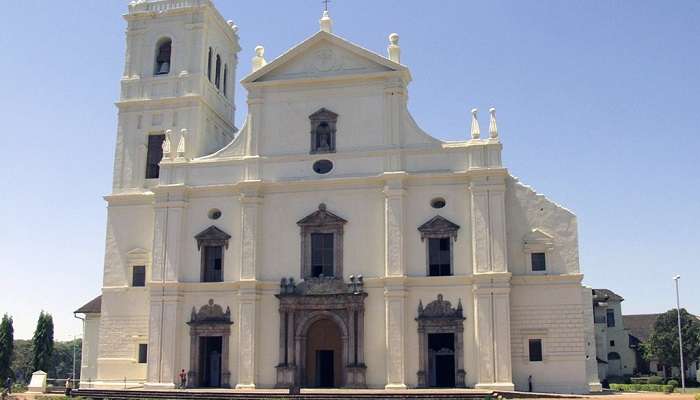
(328,241)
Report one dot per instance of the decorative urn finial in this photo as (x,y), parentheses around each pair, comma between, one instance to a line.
(476,132)
(394,49)
(493,128)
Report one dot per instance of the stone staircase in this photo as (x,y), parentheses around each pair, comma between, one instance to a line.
(338,394)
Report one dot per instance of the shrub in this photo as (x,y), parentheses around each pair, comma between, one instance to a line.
(673,383)
(639,379)
(697,396)
(655,380)
(640,387)
(19,388)
(618,379)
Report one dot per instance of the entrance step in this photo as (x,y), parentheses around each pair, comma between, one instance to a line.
(313,394)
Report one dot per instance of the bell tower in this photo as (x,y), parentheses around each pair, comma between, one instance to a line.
(177,88)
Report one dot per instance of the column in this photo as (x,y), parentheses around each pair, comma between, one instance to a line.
(247,324)
(251,202)
(395,304)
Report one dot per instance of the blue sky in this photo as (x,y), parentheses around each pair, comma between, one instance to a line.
(597,109)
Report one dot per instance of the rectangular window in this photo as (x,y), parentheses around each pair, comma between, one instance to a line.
(213,257)
(322,254)
(539,262)
(610,317)
(660,367)
(439,263)
(612,343)
(138,276)
(154,155)
(535,347)
(143,353)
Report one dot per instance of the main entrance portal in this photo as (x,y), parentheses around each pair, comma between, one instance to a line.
(321,333)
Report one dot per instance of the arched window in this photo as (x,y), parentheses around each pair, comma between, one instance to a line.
(225,77)
(217,80)
(209,65)
(163,50)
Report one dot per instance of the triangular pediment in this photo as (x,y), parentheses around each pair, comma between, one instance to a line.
(212,236)
(438,226)
(321,217)
(323,55)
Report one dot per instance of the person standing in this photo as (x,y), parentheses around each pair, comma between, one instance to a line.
(8,385)
(183,379)
(69,386)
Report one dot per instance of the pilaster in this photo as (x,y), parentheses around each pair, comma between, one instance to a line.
(492,331)
(170,208)
(247,325)
(394,104)
(165,307)
(488,224)
(251,204)
(395,307)
(394,226)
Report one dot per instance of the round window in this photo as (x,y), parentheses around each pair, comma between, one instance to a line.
(437,202)
(214,213)
(323,166)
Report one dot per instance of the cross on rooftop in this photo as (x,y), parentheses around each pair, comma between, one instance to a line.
(325,4)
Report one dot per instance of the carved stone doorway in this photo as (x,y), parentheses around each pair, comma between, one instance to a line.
(324,350)
(210,330)
(440,342)
(321,327)
(441,360)
(210,361)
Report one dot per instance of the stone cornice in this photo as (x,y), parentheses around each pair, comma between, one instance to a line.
(547,279)
(325,80)
(129,199)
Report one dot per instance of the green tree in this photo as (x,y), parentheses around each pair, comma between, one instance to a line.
(22,360)
(662,345)
(42,343)
(7,342)
(62,360)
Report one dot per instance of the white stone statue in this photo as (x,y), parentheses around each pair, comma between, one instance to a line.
(259,59)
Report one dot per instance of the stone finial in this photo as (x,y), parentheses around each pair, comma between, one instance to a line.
(326,22)
(181,149)
(233,26)
(476,132)
(259,59)
(167,148)
(493,128)
(394,49)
